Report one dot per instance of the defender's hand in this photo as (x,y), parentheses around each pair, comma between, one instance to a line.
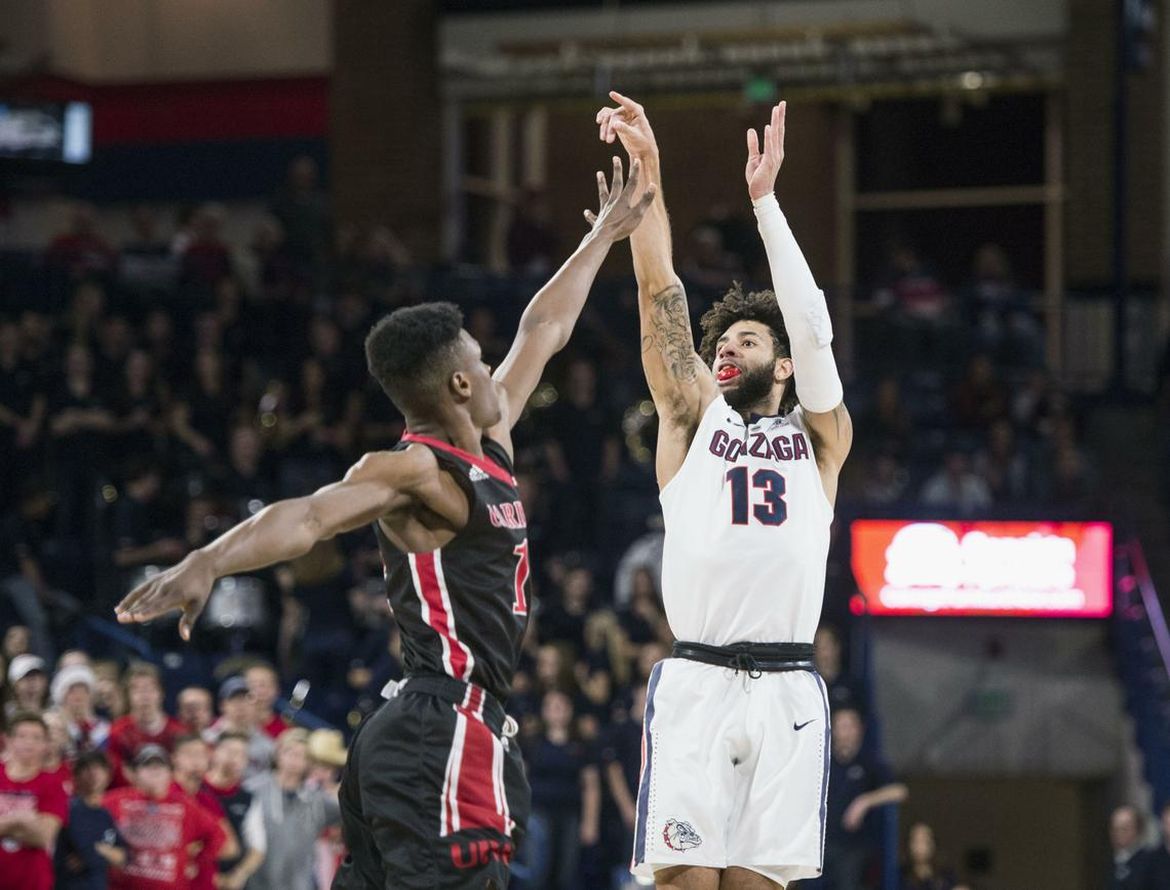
(628,123)
(618,216)
(762,166)
(186,586)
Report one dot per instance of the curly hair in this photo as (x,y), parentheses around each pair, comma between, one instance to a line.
(409,352)
(738,305)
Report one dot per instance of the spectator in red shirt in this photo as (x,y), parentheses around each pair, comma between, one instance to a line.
(191,760)
(73,692)
(81,251)
(161,825)
(146,724)
(33,806)
(264,684)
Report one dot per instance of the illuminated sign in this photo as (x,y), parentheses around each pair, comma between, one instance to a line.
(1034,569)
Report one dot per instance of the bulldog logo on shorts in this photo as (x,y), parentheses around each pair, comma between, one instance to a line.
(680,835)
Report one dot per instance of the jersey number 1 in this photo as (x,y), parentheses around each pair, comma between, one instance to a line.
(772,511)
(520,607)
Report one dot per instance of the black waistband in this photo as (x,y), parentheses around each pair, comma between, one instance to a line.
(755,658)
(465,696)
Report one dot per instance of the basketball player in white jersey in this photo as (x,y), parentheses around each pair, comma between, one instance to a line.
(752,436)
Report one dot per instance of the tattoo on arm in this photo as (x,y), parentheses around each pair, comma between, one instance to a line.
(669,334)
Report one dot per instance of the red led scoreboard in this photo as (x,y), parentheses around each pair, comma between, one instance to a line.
(1017,569)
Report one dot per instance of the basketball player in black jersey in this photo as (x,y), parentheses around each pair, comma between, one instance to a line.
(434,794)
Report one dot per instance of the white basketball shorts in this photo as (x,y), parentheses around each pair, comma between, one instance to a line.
(735,771)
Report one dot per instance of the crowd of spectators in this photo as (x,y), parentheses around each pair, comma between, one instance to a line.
(154,393)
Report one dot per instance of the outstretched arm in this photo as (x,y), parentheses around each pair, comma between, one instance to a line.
(378,484)
(806,315)
(681,385)
(549,319)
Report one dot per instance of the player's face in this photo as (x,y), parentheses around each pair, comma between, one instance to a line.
(484,397)
(746,368)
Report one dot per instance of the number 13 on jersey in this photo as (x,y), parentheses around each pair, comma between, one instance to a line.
(770,508)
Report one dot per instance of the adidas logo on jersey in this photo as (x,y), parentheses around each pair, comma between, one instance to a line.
(475,474)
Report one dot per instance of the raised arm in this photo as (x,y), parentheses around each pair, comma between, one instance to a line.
(378,484)
(549,319)
(681,385)
(806,314)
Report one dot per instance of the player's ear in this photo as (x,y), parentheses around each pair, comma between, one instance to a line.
(460,385)
(783,369)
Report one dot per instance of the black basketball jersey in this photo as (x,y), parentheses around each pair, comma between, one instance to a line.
(463,608)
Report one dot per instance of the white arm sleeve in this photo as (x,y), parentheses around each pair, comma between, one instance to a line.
(252,828)
(806,315)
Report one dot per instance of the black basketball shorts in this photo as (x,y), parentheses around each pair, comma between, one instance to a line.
(434,795)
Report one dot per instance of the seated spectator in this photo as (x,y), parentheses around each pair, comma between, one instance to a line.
(1002,464)
(563,621)
(858,783)
(566,800)
(23,405)
(1131,862)
(843,690)
(980,398)
(913,290)
(140,527)
(206,258)
(162,827)
(145,263)
(1158,869)
(195,710)
(73,696)
(644,619)
(146,723)
(294,816)
(887,482)
(229,762)
(887,423)
(922,871)
(302,207)
(56,762)
(29,685)
(237,711)
(33,807)
(190,761)
(531,238)
(1000,309)
(109,695)
(264,686)
(955,487)
(621,764)
(80,252)
(89,844)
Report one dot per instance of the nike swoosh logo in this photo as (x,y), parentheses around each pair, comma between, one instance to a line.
(799,726)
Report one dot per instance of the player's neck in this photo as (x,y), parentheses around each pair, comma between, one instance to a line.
(453,427)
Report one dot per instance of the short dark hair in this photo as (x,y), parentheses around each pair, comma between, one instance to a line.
(409,352)
(26,717)
(86,759)
(187,738)
(739,305)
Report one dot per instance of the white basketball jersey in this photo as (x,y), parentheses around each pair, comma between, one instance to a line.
(747,532)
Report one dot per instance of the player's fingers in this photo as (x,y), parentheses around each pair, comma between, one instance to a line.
(590,217)
(602,189)
(753,143)
(635,177)
(625,102)
(647,199)
(132,601)
(615,187)
(768,136)
(781,115)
